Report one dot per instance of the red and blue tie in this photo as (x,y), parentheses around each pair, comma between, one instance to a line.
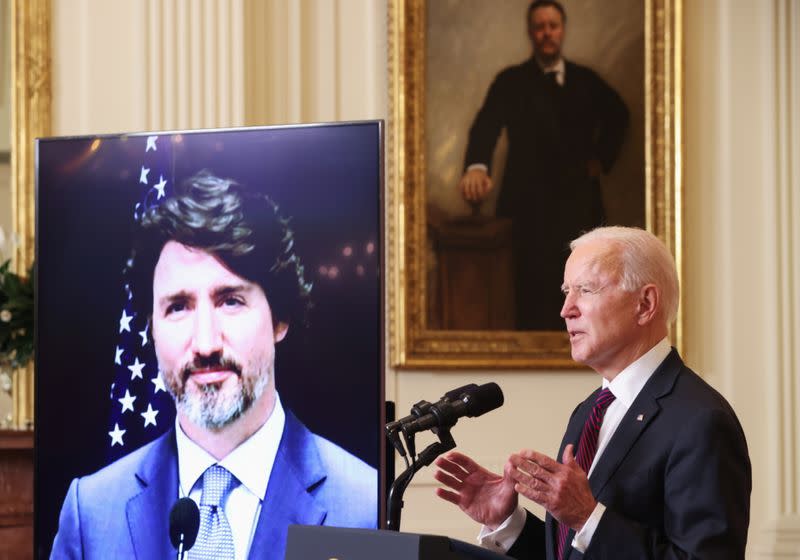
(587,448)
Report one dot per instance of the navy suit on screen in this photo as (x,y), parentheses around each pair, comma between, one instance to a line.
(675,478)
(122,511)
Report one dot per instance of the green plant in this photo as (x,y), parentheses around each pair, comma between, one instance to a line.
(16,316)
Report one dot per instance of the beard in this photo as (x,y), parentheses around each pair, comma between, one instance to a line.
(214,406)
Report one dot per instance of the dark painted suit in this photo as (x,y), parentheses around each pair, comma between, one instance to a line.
(553,132)
(676,483)
(122,511)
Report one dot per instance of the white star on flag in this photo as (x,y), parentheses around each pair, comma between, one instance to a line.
(143,334)
(118,356)
(125,322)
(158,383)
(143,175)
(136,369)
(149,416)
(116,436)
(127,401)
(162,183)
(151,144)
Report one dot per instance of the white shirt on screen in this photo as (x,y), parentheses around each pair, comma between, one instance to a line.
(626,386)
(243,504)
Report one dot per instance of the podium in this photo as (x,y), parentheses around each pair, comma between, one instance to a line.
(333,543)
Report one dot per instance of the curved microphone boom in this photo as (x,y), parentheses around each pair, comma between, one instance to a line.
(469,400)
(184,523)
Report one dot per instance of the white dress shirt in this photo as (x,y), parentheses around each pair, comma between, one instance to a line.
(243,504)
(626,386)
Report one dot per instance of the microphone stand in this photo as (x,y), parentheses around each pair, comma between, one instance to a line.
(394,505)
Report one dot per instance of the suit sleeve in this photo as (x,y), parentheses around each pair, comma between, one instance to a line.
(707,483)
(612,122)
(530,545)
(67,543)
(488,123)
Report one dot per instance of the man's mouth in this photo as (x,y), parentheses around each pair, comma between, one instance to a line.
(217,370)
(206,376)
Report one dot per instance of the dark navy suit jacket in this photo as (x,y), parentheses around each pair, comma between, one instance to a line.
(675,478)
(122,511)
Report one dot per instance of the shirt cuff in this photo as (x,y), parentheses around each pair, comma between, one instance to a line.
(482,166)
(584,536)
(506,534)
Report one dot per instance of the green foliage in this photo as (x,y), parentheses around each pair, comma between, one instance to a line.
(16,316)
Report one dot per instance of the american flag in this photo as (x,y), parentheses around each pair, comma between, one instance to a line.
(141,407)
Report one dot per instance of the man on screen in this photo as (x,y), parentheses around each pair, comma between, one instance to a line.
(216,267)
(653,465)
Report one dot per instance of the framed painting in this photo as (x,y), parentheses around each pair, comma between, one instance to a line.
(455,298)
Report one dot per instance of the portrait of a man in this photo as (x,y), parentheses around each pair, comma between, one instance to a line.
(534,116)
(217,283)
(565,127)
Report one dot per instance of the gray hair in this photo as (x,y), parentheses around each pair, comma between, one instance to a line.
(641,258)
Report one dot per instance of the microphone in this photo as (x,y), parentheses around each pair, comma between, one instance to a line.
(423,407)
(471,400)
(184,522)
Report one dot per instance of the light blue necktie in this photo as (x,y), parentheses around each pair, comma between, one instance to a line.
(215,539)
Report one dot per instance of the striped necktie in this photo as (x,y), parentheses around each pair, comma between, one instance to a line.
(587,448)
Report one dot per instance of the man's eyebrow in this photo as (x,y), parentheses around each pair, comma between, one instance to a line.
(231,289)
(181,295)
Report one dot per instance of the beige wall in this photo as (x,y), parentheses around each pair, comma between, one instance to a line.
(325,60)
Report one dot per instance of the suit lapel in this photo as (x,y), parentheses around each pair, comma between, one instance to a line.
(296,473)
(627,433)
(148,511)
(640,415)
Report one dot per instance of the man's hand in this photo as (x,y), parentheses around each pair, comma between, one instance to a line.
(474,185)
(562,489)
(487,497)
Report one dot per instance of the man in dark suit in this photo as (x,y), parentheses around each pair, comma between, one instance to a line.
(216,266)
(654,464)
(565,126)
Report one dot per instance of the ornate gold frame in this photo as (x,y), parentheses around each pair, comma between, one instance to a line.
(411,344)
(31,118)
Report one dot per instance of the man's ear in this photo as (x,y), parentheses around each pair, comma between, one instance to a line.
(649,304)
(280,331)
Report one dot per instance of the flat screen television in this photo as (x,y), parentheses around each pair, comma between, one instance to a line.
(160,258)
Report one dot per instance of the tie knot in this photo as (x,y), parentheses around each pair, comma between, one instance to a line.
(552,77)
(217,483)
(604,398)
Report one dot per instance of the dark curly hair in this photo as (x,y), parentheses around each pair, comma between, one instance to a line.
(242,228)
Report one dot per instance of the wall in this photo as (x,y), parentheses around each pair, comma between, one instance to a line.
(146,65)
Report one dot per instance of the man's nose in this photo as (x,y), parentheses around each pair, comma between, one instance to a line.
(569,309)
(207,336)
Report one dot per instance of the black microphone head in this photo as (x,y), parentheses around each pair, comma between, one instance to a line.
(184,519)
(482,399)
(458,393)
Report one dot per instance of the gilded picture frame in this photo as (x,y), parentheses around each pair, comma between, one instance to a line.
(412,343)
(31,79)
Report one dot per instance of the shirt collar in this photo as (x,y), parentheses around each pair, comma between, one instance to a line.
(558,67)
(629,382)
(193,460)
